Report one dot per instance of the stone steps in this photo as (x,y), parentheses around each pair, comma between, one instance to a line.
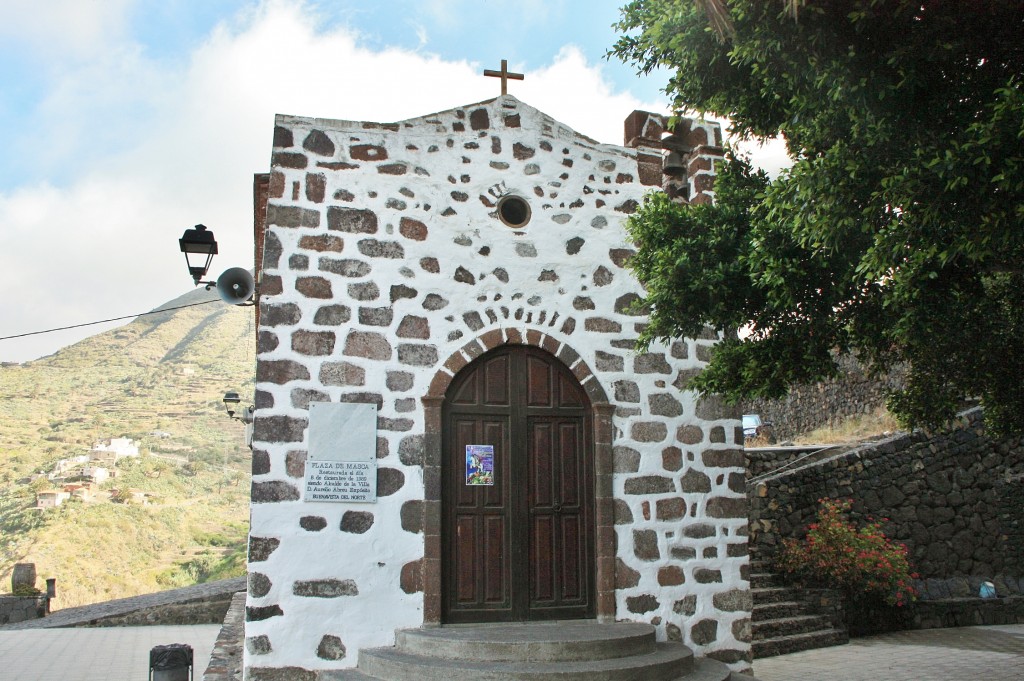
(781,622)
(664,664)
(788,626)
(500,643)
(557,651)
(772,594)
(798,642)
(779,610)
(702,670)
(760,580)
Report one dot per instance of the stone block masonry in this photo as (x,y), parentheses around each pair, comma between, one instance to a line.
(953,497)
(21,608)
(388,269)
(827,403)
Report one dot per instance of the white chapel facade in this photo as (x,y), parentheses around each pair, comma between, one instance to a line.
(458,283)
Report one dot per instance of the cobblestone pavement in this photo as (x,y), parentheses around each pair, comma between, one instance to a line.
(110,654)
(994,653)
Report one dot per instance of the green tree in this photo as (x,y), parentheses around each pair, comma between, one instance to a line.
(896,234)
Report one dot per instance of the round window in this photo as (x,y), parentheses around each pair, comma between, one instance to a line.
(513,210)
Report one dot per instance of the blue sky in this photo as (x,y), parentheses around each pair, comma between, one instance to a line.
(124,122)
(46,64)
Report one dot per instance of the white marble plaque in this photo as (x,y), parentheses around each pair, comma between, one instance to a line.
(342,432)
(342,461)
(341,481)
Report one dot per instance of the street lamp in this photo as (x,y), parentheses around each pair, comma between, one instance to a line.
(199,247)
(231,402)
(234,286)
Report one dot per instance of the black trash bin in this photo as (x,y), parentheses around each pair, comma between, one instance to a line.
(171,663)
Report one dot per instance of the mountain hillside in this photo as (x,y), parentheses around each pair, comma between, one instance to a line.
(174,515)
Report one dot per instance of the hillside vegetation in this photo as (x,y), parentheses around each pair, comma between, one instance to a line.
(158,380)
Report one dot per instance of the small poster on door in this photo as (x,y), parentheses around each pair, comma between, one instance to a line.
(479,464)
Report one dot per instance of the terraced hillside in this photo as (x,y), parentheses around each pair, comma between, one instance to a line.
(159,381)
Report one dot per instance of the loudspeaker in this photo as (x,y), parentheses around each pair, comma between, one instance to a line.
(235,286)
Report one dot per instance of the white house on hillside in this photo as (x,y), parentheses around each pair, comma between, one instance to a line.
(119,446)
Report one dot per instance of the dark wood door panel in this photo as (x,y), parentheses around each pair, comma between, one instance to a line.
(574,545)
(476,522)
(542,558)
(570,396)
(475,430)
(542,482)
(496,390)
(522,548)
(495,548)
(558,489)
(538,382)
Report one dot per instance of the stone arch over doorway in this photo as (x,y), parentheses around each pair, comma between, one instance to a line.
(428,572)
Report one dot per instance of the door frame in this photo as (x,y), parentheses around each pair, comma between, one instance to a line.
(602,438)
(514,479)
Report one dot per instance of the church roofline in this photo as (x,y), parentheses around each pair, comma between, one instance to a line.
(559,129)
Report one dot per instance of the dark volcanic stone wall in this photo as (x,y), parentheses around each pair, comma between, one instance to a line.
(827,403)
(954,498)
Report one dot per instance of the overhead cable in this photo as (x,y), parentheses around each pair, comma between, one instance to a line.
(112,319)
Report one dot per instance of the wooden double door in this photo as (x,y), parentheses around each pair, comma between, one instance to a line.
(517,534)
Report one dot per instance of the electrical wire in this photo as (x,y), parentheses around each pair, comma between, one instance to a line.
(758,478)
(112,319)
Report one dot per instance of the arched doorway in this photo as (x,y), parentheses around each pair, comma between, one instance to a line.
(519,545)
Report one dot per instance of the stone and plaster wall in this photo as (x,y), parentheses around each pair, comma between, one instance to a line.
(197,604)
(21,608)
(825,404)
(225,662)
(386,270)
(204,610)
(955,498)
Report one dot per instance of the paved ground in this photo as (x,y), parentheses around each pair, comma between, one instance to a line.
(122,654)
(993,653)
(108,654)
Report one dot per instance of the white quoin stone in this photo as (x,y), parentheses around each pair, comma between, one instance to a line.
(386,260)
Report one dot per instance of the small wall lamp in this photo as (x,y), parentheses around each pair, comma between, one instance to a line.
(235,285)
(231,404)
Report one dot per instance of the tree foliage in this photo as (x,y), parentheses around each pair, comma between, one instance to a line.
(896,234)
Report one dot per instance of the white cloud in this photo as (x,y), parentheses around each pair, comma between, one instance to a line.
(182,141)
(573,91)
(73,26)
(769,155)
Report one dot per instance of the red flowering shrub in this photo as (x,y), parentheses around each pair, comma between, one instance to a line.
(859,562)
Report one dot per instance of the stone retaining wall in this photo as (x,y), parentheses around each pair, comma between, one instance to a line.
(954,498)
(20,608)
(763,461)
(825,404)
(196,604)
(226,659)
(209,610)
(967,612)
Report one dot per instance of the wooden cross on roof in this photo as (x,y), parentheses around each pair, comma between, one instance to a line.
(504,74)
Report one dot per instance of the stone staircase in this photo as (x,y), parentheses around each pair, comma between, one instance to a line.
(557,651)
(783,621)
